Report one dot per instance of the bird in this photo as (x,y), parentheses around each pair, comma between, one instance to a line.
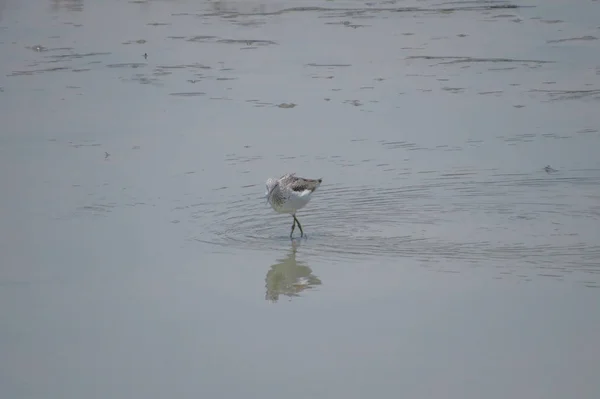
(289,193)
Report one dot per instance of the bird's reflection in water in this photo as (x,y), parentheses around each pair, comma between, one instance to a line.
(288,277)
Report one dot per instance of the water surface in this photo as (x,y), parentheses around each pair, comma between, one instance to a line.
(452,250)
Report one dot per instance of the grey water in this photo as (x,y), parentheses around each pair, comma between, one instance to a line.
(453,249)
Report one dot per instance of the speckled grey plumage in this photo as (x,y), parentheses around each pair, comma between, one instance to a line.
(290,193)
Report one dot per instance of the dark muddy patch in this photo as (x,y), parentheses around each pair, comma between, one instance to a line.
(140,41)
(346,24)
(37,48)
(484,93)
(355,103)
(81,145)
(328,65)
(556,95)
(454,90)
(38,71)
(184,66)
(247,42)
(392,145)
(259,104)
(587,131)
(574,39)
(551,21)
(143,79)
(216,39)
(72,56)
(199,39)
(127,65)
(41,49)
(188,94)
(250,23)
(462,60)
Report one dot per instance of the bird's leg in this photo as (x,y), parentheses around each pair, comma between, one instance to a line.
(299,226)
(293,227)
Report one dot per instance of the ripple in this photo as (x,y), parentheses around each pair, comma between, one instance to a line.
(429,221)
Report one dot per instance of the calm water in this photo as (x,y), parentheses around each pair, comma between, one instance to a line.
(453,248)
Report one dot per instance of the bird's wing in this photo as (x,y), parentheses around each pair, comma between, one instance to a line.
(300,184)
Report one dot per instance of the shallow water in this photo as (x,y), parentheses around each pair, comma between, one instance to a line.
(452,249)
